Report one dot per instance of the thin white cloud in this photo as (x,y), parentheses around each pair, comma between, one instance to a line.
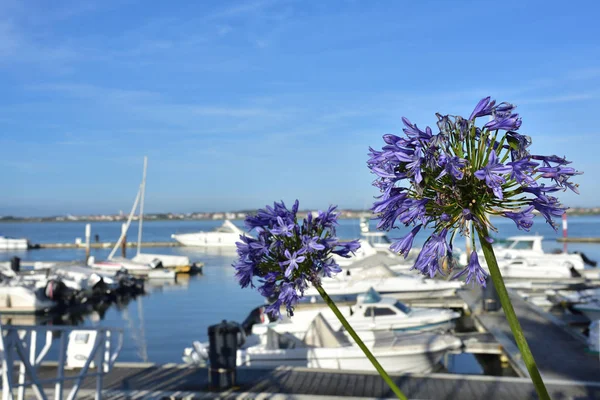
(567,98)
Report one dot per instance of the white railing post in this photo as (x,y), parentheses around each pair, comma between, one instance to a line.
(62,352)
(21,388)
(19,343)
(100,356)
(7,360)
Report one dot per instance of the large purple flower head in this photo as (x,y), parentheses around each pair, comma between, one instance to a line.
(286,255)
(453,179)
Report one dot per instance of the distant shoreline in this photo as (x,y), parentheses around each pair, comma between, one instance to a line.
(355,215)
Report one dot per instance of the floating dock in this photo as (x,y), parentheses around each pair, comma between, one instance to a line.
(101,245)
(560,352)
(579,239)
(176,381)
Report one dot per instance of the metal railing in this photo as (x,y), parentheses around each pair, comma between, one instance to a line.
(18,348)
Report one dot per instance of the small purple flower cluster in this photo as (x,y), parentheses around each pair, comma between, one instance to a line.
(458,176)
(285,256)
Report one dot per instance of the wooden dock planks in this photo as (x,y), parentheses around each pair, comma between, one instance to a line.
(304,381)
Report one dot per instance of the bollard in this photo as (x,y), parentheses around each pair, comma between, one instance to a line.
(15,264)
(225,339)
(491,301)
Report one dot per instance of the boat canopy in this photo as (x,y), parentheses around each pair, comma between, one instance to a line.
(320,334)
(371,297)
(228,227)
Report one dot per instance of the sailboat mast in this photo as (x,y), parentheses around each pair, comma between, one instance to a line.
(141,218)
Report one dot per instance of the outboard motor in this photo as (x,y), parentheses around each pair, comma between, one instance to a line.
(224,340)
(15,264)
(586,260)
(57,290)
(256,316)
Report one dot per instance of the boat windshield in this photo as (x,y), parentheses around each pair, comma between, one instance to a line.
(374,240)
(520,245)
(402,307)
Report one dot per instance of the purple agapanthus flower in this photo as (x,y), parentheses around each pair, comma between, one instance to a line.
(436,248)
(483,108)
(493,173)
(473,271)
(523,218)
(452,166)
(312,243)
(287,255)
(452,180)
(283,228)
(504,122)
(521,171)
(403,245)
(292,261)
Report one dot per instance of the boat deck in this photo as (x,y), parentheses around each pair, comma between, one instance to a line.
(151,381)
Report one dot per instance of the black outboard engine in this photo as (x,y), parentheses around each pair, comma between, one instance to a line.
(57,290)
(97,284)
(15,264)
(586,260)
(256,316)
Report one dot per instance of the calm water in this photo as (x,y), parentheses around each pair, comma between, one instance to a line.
(160,325)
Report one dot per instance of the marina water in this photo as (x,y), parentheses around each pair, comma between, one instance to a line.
(159,325)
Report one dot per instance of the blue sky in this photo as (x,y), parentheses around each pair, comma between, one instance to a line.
(238,104)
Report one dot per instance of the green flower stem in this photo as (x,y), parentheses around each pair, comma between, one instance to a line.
(360,343)
(509,311)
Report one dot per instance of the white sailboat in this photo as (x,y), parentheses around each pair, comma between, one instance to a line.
(153,269)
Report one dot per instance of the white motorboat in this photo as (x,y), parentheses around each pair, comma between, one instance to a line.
(378,240)
(322,347)
(19,297)
(347,286)
(151,271)
(585,301)
(523,257)
(10,243)
(533,268)
(590,309)
(225,235)
(395,264)
(371,312)
(364,251)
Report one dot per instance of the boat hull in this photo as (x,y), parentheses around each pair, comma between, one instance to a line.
(592,311)
(206,239)
(349,359)
(20,300)
(7,243)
